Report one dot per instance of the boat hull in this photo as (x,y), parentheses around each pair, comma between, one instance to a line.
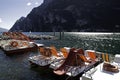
(20,51)
(36,65)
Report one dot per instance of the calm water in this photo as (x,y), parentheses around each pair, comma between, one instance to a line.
(18,68)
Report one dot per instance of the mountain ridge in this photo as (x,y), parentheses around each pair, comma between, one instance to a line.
(72,15)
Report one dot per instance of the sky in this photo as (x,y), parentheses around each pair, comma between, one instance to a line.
(12,10)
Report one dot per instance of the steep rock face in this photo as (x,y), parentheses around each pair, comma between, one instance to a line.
(72,15)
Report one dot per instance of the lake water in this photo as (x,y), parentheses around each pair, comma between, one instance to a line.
(17,67)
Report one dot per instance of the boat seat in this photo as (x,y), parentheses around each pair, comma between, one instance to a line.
(64,52)
(92,55)
(54,51)
(83,58)
(45,51)
(105,57)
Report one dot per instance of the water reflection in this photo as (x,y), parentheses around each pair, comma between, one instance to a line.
(104,42)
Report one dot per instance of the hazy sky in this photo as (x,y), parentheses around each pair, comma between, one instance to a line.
(12,10)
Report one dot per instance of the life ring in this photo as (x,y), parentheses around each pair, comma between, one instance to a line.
(24,43)
(109,67)
(14,43)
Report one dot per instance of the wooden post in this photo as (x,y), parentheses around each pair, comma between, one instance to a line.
(63,34)
(60,35)
(54,33)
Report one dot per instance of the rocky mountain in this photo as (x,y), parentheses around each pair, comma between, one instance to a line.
(72,15)
(3,30)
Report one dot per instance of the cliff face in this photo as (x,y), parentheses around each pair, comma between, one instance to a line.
(72,15)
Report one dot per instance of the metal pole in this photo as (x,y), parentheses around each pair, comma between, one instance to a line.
(60,35)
